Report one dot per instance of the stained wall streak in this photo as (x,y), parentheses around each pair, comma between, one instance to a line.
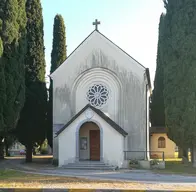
(131,113)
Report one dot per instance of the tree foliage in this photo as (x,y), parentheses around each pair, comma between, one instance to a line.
(12,51)
(58,55)
(32,124)
(1,47)
(157,100)
(179,71)
(2,95)
(14,71)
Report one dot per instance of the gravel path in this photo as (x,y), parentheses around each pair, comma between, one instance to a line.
(130,179)
(144,176)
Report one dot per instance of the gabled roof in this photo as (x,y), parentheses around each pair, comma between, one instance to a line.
(74,50)
(158,129)
(96,31)
(121,49)
(101,114)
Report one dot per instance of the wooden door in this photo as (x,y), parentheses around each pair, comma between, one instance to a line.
(95,145)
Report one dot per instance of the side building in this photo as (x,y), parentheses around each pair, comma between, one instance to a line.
(159,142)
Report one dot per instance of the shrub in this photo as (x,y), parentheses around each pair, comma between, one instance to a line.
(44,147)
(154,162)
(133,162)
(44,151)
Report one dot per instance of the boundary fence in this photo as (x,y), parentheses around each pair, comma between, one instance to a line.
(144,155)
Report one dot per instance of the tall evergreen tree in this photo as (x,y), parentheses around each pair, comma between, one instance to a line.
(2,90)
(14,71)
(1,46)
(1,42)
(2,99)
(2,96)
(32,124)
(157,101)
(179,71)
(13,50)
(58,55)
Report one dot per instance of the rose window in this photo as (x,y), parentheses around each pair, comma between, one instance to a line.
(97,95)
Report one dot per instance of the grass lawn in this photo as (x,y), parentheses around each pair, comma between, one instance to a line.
(15,179)
(176,167)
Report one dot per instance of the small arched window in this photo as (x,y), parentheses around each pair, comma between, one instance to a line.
(161,142)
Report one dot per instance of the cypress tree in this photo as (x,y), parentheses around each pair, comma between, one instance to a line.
(58,55)
(2,93)
(32,123)
(1,47)
(13,50)
(157,101)
(2,100)
(14,71)
(1,42)
(179,71)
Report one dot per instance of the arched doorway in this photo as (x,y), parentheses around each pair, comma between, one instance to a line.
(89,142)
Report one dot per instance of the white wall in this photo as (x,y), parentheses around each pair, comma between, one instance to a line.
(113,142)
(17,146)
(148,122)
(98,76)
(55,148)
(96,40)
(67,144)
(98,60)
(169,150)
(113,146)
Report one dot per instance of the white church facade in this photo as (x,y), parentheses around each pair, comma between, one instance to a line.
(100,104)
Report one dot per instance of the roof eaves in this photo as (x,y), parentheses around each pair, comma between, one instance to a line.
(72,53)
(122,50)
(101,114)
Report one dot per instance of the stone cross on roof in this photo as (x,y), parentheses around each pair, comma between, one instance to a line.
(96,23)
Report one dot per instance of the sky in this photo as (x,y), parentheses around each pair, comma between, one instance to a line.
(131,24)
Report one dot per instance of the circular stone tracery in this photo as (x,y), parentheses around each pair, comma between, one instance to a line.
(97,95)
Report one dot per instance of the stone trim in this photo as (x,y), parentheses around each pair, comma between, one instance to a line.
(101,114)
(78,138)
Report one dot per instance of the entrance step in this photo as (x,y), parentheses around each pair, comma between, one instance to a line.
(89,165)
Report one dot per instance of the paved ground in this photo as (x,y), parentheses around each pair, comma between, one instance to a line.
(162,182)
(67,190)
(144,176)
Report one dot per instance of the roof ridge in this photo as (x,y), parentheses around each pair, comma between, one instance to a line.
(106,39)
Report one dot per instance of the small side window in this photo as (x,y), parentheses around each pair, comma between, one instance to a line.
(161,142)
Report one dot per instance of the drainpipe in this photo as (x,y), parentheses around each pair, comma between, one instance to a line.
(146,157)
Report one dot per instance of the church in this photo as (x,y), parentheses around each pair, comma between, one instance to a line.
(100,104)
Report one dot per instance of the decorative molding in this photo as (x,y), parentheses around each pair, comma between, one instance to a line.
(97,95)
(78,138)
(89,114)
(99,76)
